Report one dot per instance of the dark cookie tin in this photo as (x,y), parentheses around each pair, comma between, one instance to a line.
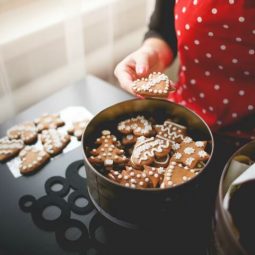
(143,208)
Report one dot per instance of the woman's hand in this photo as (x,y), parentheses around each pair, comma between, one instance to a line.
(154,55)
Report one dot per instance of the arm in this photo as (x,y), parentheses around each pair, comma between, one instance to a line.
(157,51)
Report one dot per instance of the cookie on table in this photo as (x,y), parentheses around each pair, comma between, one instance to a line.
(107,153)
(147,149)
(54,141)
(156,85)
(191,153)
(25,131)
(47,121)
(32,159)
(77,128)
(9,148)
(138,126)
(172,131)
(176,174)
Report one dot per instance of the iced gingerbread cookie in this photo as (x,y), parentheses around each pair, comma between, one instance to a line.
(131,178)
(32,159)
(78,128)
(9,148)
(162,162)
(172,131)
(156,85)
(53,141)
(177,174)
(48,121)
(25,131)
(138,126)
(190,153)
(156,175)
(107,153)
(146,149)
(129,139)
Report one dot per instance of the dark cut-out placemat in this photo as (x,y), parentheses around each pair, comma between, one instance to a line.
(71,234)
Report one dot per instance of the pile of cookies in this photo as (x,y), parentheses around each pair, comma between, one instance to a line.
(148,155)
(35,142)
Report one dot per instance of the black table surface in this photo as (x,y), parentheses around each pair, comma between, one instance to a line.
(20,232)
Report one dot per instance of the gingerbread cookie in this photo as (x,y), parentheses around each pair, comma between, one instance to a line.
(9,148)
(32,159)
(25,131)
(155,174)
(131,178)
(172,131)
(48,121)
(157,85)
(54,141)
(107,153)
(177,174)
(78,128)
(129,139)
(146,149)
(138,126)
(190,152)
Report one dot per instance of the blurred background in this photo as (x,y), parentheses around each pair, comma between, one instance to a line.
(46,45)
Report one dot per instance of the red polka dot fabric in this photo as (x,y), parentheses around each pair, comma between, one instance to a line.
(216,45)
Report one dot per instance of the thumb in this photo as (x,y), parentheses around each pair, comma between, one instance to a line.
(142,64)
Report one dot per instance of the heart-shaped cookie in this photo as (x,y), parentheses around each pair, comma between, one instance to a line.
(9,148)
(25,131)
(156,85)
(32,159)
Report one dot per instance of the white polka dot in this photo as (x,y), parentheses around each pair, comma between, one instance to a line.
(216,86)
(234,60)
(193,98)
(184,9)
(208,55)
(238,39)
(219,122)
(225,26)
(195,2)
(178,32)
(253,31)
(223,47)
(214,10)
(202,95)
(246,72)
(211,108)
(176,16)
(196,42)
(241,19)
(196,60)
(220,67)
(231,1)
(186,47)
(241,92)
(199,19)
(204,111)
(184,68)
(207,73)
(232,79)
(250,107)
(225,101)
(211,34)
(193,81)
(251,52)
(187,26)
(185,86)
(234,114)
(183,102)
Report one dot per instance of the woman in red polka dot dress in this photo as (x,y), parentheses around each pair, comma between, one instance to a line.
(215,41)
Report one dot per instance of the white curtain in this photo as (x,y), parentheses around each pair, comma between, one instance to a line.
(48,44)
